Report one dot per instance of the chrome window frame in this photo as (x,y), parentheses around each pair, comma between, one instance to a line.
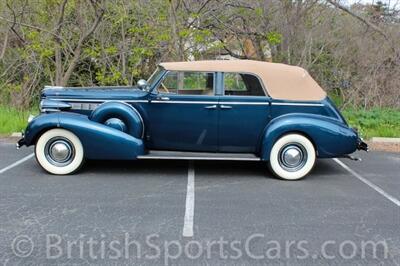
(154,90)
(263,86)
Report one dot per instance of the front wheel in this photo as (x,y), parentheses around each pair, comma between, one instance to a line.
(292,157)
(59,152)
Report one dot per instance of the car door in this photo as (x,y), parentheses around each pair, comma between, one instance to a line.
(244,113)
(183,114)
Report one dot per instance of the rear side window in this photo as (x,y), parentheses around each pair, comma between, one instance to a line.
(188,83)
(242,84)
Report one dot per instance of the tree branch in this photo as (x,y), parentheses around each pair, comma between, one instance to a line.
(28,26)
(363,20)
(99,12)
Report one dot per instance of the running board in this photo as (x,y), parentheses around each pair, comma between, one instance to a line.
(179,155)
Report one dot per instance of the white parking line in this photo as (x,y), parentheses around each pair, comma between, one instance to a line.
(369,183)
(17,163)
(189,210)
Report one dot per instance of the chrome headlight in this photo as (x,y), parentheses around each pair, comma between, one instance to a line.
(30,118)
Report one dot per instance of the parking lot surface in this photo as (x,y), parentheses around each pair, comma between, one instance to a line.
(201,213)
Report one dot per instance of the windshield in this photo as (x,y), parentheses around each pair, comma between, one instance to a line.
(155,76)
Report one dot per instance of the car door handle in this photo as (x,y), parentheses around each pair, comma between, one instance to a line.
(226,107)
(211,107)
(163,98)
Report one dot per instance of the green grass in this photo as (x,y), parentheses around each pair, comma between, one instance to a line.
(13,120)
(375,122)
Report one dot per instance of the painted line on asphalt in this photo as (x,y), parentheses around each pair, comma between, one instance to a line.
(30,156)
(189,209)
(369,183)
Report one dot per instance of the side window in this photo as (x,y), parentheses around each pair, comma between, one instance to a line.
(188,83)
(242,84)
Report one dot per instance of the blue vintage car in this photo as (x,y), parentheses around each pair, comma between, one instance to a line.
(205,110)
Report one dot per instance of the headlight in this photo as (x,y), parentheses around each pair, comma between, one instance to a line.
(30,118)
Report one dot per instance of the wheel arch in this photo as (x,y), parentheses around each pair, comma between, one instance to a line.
(116,145)
(42,131)
(299,132)
(329,137)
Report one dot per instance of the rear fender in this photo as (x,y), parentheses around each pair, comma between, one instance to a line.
(330,137)
(99,141)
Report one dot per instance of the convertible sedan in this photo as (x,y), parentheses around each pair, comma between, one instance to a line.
(205,110)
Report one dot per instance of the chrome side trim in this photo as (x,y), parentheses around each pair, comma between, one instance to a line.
(203,102)
(97,100)
(53,87)
(84,106)
(49,110)
(186,102)
(245,103)
(298,104)
(159,157)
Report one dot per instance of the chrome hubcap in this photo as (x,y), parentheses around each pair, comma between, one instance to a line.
(292,157)
(59,152)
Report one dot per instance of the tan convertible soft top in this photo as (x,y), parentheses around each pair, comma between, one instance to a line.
(281,81)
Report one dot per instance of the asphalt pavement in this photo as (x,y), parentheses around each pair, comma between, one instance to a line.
(201,213)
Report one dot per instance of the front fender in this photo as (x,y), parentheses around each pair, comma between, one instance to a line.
(98,140)
(330,137)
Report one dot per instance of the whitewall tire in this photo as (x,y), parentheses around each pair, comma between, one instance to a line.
(59,152)
(292,157)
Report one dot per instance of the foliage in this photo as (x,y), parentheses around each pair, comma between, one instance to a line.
(376,122)
(13,120)
(117,42)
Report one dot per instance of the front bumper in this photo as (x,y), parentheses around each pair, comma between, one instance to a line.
(20,143)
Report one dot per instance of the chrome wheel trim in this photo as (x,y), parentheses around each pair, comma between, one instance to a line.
(292,157)
(59,151)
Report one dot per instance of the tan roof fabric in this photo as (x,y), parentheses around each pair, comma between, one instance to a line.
(281,81)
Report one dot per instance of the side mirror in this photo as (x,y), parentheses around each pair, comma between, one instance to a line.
(142,84)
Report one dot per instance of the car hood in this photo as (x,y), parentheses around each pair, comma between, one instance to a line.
(93,93)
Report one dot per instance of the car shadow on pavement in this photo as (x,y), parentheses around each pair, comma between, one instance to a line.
(228,169)
(134,167)
(326,167)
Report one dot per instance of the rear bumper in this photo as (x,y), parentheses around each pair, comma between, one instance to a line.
(361,145)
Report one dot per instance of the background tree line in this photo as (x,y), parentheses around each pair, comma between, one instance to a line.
(353,52)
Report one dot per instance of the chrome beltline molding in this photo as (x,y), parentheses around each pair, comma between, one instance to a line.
(187,102)
(97,100)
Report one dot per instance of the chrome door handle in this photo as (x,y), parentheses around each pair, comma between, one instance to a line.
(163,98)
(226,107)
(211,107)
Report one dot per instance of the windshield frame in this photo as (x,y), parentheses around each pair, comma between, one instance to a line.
(155,78)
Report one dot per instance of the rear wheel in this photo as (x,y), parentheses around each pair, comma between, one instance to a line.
(59,152)
(292,157)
